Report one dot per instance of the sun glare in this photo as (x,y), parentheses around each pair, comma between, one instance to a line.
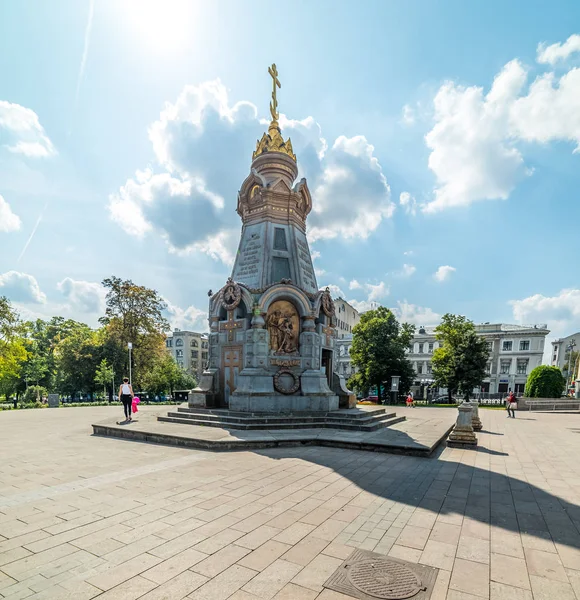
(161,24)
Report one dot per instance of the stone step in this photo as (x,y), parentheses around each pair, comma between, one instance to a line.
(279,419)
(386,421)
(337,414)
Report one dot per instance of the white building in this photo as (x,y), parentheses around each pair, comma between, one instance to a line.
(514,350)
(347,316)
(190,350)
(560,350)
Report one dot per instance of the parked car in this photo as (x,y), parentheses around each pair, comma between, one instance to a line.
(443,399)
(374,399)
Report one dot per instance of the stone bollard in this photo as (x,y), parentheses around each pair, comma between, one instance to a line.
(462,435)
(475,420)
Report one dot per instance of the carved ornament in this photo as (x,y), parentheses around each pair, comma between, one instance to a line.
(230,295)
(279,387)
(283,326)
(327,304)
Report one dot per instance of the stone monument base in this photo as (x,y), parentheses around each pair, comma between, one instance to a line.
(462,435)
(276,403)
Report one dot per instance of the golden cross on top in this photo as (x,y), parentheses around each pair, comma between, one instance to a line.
(273,71)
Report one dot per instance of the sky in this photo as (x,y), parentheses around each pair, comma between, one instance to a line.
(440,140)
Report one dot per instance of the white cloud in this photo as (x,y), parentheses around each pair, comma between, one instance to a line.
(354,285)
(550,111)
(314,254)
(377,292)
(84,296)
(419,315)
(408,253)
(406,271)
(205,146)
(471,153)
(319,272)
(22,133)
(408,203)
(559,51)
(335,291)
(563,308)
(188,319)
(21,287)
(408,115)
(8,220)
(476,142)
(350,170)
(443,272)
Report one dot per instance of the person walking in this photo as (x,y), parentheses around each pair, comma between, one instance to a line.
(126,395)
(510,404)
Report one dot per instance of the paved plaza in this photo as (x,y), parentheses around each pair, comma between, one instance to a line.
(89,517)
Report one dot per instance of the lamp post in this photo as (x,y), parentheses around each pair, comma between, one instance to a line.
(394,388)
(130,347)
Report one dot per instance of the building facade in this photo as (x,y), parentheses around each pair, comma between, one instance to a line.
(514,350)
(347,317)
(190,350)
(561,350)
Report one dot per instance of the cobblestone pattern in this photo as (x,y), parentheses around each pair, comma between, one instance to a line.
(84,517)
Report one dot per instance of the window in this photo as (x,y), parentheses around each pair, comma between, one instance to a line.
(204,355)
(525,345)
(505,366)
(411,348)
(429,369)
(194,353)
(279,239)
(430,347)
(180,363)
(179,353)
(204,345)
(488,368)
(194,343)
(489,346)
(507,346)
(280,268)
(420,348)
(178,342)
(169,342)
(522,367)
(419,369)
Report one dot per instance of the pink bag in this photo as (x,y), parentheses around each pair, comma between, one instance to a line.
(135,402)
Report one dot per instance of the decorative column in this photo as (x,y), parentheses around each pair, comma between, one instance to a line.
(462,435)
(475,420)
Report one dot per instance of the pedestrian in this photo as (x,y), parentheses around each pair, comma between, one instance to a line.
(126,394)
(510,404)
(409,401)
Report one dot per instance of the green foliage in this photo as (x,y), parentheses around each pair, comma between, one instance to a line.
(13,352)
(545,382)
(167,376)
(34,393)
(134,314)
(378,350)
(459,363)
(104,376)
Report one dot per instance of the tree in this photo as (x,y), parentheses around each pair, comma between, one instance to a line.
(378,350)
(104,377)
(167,376)
(134,314)
(13,352)
(459,363)
(78,356)
(545,382)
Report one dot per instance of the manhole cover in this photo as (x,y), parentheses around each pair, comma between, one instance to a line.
(371,576)
(384,579)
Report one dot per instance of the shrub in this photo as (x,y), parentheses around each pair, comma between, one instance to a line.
(34,393)
(545,382)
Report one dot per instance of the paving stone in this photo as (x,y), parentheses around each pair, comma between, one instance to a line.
(474,549)
(177,588)
(124,571)
(445,532)
(438,554)
(317,572)
(292,591)
(129,590)
(294,533)
(173,566)
(225,584)
(272,579)
(305,550)
(257,537)
(500,591)
(413,537)
(265,555)
(509,570)
(470,577)
(548,589)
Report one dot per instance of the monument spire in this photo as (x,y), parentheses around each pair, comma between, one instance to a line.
(273,140)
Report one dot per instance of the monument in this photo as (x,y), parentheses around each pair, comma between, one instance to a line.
(272,331)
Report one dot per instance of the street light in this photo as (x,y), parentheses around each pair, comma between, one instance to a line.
(130,347)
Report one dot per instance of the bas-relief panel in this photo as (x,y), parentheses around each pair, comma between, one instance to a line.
(283,325)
